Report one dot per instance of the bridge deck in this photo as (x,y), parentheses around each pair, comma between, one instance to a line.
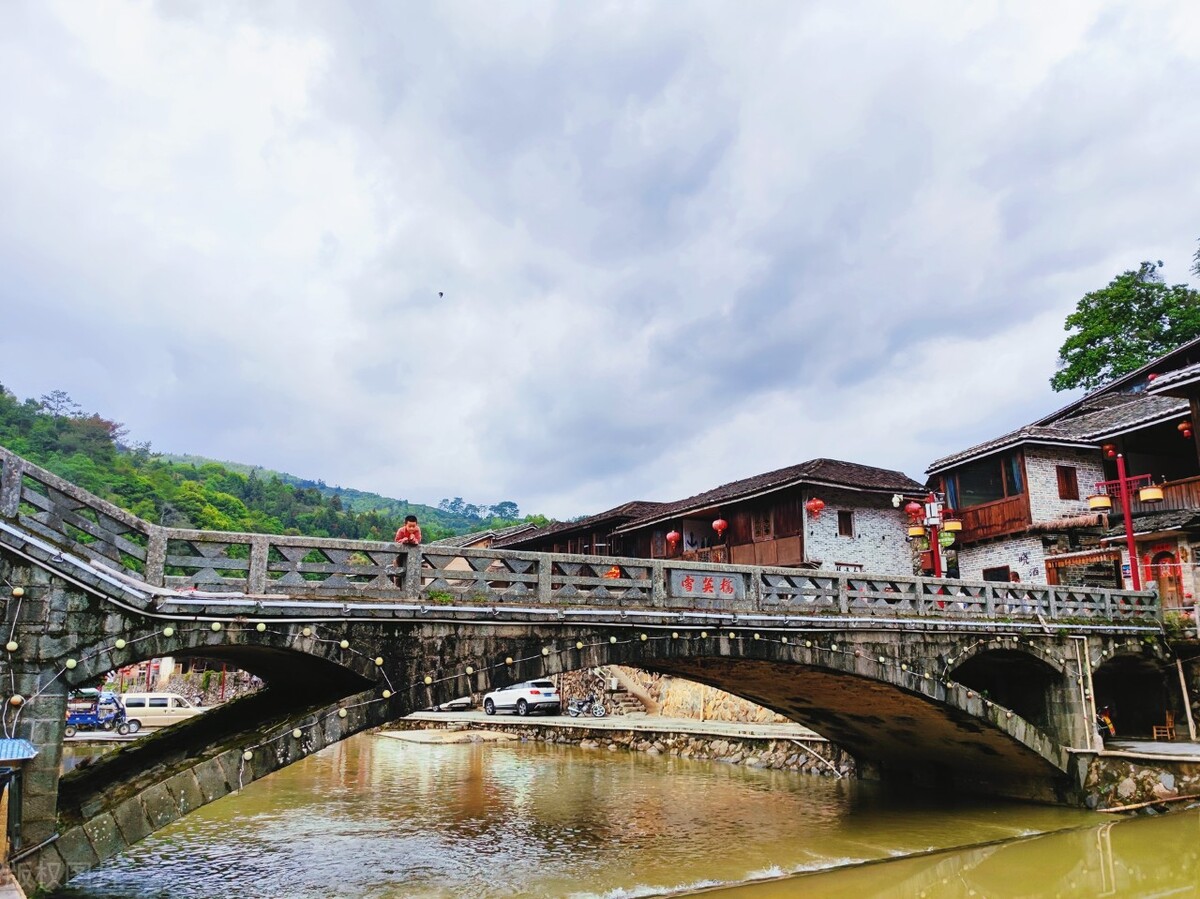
(209,572)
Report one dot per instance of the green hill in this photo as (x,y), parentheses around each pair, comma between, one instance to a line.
(192,491)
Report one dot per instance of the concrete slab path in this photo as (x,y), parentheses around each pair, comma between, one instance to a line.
(653,723)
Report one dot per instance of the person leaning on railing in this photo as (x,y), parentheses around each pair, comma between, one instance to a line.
(408,534)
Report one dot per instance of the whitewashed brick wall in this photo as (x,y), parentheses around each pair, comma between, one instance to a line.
(1041,464)
(1026,554)
(880,530)
(1023,555)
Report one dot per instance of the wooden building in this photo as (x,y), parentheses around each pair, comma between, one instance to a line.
(823,513)
(1023,497)
(593,535)
(820,514)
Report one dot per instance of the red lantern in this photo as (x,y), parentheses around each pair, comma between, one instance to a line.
(914,510)
(1151,376)
(1185,427)
(1187,434)
(814,506)
(1110,450)
(673,538)
(719,526)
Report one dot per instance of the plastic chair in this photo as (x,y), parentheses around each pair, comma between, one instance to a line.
(1165,731)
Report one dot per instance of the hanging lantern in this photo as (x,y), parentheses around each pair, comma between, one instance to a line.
(914,510)
(673,539)
(916,530)
(951,525)
(1185,428)
(719,526)
(1100,502)
(1151,493)
(1187,435)
(1109,450)
(814,506)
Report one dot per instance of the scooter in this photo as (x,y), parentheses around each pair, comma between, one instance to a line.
(590,704)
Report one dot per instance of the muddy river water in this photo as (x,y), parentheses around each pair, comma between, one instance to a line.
(379,817)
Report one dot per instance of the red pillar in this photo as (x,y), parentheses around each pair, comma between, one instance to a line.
(1130,544)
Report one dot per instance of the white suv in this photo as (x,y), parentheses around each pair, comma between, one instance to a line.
(524,698)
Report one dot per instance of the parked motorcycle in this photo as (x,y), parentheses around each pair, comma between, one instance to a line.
(589,705)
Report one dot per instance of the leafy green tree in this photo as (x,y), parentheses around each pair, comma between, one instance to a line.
(1125,325)
(507,510)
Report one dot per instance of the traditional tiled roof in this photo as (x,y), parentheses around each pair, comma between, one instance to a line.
(1136,380)
(1153,522)
(496,535)
(1069,523)
(618,514)
(1141,397)
(1173,383)
(1087,425)
(829,472)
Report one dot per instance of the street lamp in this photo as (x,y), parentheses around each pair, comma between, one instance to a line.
(1101,501)
(931,515)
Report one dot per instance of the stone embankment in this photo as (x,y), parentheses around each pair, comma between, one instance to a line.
(806,755)
(1117,782)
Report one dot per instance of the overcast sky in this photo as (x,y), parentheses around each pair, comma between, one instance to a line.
(679,243)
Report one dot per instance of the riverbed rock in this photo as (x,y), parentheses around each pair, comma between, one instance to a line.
(1126,788)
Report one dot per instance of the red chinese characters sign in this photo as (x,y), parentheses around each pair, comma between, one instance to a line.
(707,585)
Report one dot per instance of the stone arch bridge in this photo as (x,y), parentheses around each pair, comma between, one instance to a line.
(978,686)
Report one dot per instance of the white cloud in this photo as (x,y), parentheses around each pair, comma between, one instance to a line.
(678,245)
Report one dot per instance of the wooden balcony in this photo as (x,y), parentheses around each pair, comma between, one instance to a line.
(995,519)
(1181,494)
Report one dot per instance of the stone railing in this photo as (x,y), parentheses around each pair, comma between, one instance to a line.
(266,565)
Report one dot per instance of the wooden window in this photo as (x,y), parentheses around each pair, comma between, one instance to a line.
(846,523)
(1068,482)
(985,481)
(760,525)
(997,574)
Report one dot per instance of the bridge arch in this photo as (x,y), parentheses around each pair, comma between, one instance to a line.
(1022,677)
(292,657)
(1131,686)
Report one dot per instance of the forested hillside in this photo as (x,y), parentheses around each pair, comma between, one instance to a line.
(90,450)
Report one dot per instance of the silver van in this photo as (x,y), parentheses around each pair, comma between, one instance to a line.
(158,709)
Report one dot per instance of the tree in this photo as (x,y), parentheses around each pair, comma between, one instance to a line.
(1196,263)
(59,404)
(506,509)
(1136,318)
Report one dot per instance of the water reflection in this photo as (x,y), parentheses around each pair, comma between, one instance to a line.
(376,817)
(1127,857)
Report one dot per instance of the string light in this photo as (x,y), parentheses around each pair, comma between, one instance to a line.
(70,664)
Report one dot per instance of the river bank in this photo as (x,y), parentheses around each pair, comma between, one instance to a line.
(770,746)
(1139,776)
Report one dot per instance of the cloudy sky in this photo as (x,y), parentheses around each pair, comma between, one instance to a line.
(679,243)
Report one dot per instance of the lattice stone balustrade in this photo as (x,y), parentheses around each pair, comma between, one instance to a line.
(261,566)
